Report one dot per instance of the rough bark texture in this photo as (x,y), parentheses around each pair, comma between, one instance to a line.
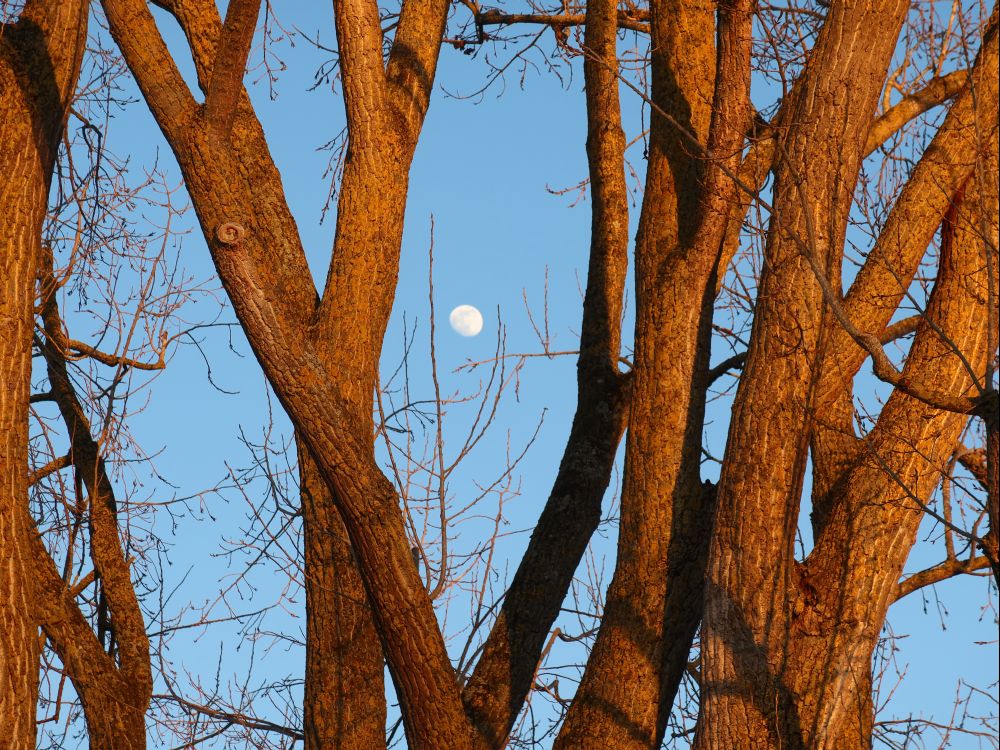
(786,647)
(344,697)
(39,61)
(944,168)
(237,195)
(344,684)
(653,604)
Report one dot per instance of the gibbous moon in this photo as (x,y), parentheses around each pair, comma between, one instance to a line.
(466,320)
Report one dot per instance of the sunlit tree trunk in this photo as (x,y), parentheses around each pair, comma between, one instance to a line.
(787,646)
(39,61)
(321,357)
(344,685)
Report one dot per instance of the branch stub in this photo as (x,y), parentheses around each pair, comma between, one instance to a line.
(230,233)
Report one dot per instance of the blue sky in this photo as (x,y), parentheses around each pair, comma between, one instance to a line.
(483,170)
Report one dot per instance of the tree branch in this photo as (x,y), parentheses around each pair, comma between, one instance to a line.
(114,360)
(505,672)
(974,462)
(155,71)
(734,362)
(56,464)
(900,328)
(414,55)
(635,19)
(937,91)
(940,572)
(230,64)
(109,559)
(359,38)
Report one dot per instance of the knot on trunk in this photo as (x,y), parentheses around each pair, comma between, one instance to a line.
(230,233)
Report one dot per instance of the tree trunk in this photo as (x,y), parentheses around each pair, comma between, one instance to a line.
(114,705)
(344,685)
(787,646)
(507,667)
(39,62)
(653,603)
(237,196)
(746,702)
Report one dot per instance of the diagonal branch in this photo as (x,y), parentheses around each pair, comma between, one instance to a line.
(230,63)
(935,92)
(414,55)
(506,670)
(155,71)
(761,155)
(882,366)
(943,169)
(109,558)
(937,573)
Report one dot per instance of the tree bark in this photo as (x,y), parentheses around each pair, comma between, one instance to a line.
(787,646)
(237,196)
(751,587)
(944,168)
(344,704)
(40,58)
(504,673)
(653,603)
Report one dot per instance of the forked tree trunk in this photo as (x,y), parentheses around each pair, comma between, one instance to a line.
(321,358)
(344,702)
(745,703)
(787,647)
(653,603)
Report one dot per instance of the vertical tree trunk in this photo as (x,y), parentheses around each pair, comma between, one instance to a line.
(344,696)
(39,61)
(344,686)
(653,603)
(751,587)
(22,195)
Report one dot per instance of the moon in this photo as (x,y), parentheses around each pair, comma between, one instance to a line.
(466,320)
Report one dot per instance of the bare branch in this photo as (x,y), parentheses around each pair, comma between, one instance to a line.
(230,63)
(936,92)
(937,573)
(633,19)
